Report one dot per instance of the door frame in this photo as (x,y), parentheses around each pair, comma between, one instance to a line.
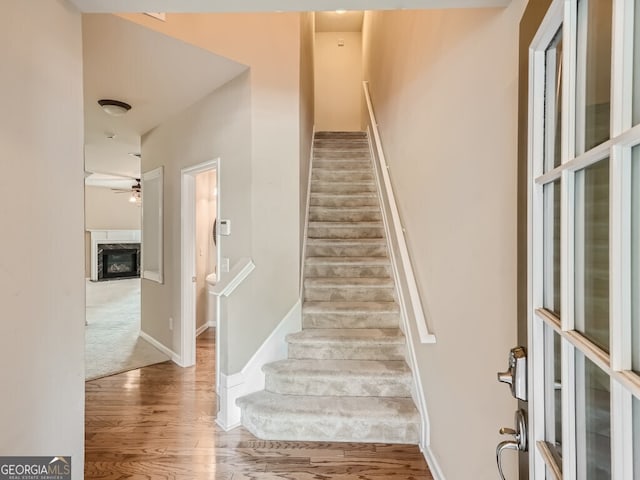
(546,31)
(188,258)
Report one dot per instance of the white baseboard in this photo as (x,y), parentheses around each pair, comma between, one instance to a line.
(213,324)
(251,378)
(432,462)
(175,358)
(200,330)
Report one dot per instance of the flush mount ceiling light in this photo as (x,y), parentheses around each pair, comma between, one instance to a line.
(115,108)
(340,12)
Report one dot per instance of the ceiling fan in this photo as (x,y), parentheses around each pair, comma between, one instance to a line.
(135,190)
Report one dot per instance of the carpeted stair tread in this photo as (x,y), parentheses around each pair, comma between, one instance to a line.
(345,200)
(346,242)
(345,230)
(346,378)
(355,336)
(343,164)
(348,282)
(330,418)
(345,214)
(340,134)
(350,307)
(364,320)
(347,261)
(331,368)
(343,187)
(339,377)
(353,247)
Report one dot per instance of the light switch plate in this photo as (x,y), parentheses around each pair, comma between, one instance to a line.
(225,226)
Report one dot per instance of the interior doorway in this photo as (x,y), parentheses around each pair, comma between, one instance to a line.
(200,208)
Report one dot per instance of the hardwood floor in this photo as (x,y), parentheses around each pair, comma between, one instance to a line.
(158,422)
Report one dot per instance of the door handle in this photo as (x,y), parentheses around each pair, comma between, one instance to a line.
(519,442)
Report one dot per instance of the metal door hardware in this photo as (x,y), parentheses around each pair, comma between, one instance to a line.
(516,375)
(519,442)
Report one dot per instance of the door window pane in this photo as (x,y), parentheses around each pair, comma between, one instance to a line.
(636,66)
(593,420)
(553,392)
(594,73)
(592,253)
(553,104)
(635,257)
(551,288)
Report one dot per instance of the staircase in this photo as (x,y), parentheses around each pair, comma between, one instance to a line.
(346,378)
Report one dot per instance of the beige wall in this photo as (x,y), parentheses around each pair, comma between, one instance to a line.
(307,87)
(106,210)
(338,81)
(269,230)
(444,86)
(215,127)
(41,265)
(205,248)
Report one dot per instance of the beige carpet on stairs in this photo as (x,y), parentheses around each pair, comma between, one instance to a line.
(112,342)
(345,378)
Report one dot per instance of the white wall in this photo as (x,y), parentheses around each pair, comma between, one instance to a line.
(444,87)
(205,248)
(269,230)
(41,264)
(338,81)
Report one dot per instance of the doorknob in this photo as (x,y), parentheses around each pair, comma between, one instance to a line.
(519,442)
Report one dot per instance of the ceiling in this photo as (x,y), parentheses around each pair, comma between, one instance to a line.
(157,75)
(339,21)
(194,6)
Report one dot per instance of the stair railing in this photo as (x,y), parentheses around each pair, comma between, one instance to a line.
(408,293)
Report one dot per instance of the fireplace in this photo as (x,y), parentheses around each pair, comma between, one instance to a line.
(118,260)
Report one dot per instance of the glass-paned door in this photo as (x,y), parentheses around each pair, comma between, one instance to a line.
(584,242)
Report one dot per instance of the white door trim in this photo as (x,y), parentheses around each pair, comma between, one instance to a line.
(188,258)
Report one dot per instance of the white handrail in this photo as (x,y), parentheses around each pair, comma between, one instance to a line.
(236,276)
(396,236)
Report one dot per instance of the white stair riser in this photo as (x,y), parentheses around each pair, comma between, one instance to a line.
(349,294)
(346,351)
(344,385)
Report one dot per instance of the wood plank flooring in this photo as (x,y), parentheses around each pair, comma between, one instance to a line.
(158,422)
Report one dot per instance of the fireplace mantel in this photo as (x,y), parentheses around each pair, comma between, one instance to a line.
(109,236)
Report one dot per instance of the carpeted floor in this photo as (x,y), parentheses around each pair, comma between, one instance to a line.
(113,323)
